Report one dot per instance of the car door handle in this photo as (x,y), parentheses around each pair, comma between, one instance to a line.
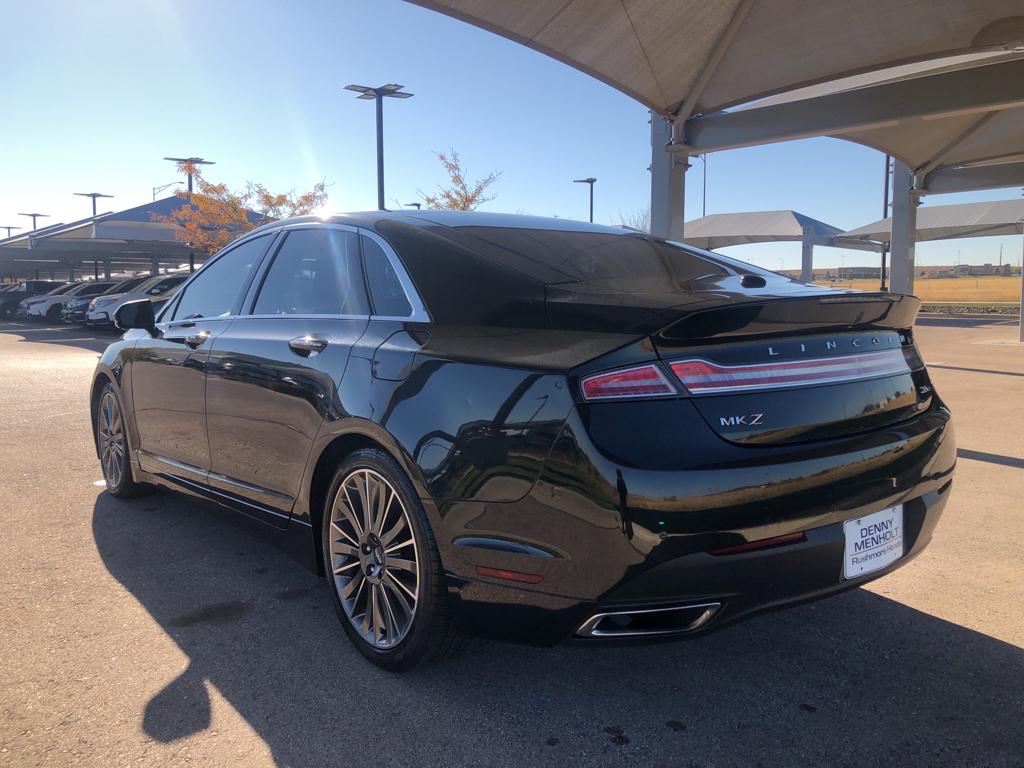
(307,345)
(196,339)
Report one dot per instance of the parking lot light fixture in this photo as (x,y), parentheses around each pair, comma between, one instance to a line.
(162,187)
(4,226)
(378,94)
(35,216)
(590,182)
(93,195)
(192,161)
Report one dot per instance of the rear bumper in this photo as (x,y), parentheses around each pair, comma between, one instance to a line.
(739,586)
(654,552)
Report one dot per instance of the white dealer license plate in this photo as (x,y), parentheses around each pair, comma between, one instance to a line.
(873,541)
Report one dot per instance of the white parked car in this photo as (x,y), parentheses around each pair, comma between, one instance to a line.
(49,306)
(158,288)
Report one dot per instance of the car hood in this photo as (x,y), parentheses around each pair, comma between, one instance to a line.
(107,298)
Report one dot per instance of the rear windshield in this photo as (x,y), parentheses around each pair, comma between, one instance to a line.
(559,256)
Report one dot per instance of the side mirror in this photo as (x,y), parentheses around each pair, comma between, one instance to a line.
(136,314)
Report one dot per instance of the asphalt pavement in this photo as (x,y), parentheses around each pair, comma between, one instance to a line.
(162,631)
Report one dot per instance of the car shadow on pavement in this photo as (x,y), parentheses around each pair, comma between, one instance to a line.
(66,335)
(854,680)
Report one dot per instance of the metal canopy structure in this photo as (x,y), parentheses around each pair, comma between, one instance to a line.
(949,222)
(132,240)
(721,230)
(939,84)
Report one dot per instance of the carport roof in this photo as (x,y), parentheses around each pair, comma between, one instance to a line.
(660,52)
(128,239)
(947,222)
(721,230)
(957,126)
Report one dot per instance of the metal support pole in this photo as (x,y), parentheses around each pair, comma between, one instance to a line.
(1020,334)
(668,182)
(154,264)
(591,202)
(106,268)
(807,256)
(380,151)
(885,215)
(191,263)
(904,228)
(95,269)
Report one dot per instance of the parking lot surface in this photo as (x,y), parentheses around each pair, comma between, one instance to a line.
(162,631)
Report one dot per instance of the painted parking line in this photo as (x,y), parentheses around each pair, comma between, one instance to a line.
(61,338)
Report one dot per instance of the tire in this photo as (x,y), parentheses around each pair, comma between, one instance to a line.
(109,429)
(389,591)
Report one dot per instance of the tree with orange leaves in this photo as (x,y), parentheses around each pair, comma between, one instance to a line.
(214,215)
(460,195)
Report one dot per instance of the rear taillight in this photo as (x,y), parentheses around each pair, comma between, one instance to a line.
(704,377)
(642,381)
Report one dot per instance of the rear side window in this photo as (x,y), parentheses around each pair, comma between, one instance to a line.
(386,290)
(216,288)
(315,272)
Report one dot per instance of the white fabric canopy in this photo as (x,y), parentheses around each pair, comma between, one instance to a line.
(946,222)
(720,230)
(656,50)
(693,58)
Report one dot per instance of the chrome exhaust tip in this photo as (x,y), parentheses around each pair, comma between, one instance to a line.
(649,622)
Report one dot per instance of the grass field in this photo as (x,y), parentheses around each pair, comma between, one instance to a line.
(992,290)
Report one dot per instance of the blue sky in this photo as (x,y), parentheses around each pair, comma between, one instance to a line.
(97,93)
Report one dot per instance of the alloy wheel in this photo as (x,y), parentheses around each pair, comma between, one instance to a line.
(374,560)
(111,440)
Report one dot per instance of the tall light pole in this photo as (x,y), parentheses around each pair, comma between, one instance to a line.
(162,187)
(191,161)
(93,195)
(35,216)
(378,94)
(590,182)
(4,226)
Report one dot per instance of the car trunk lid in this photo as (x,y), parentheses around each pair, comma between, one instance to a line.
(782,370)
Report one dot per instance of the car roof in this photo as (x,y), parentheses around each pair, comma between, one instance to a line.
(449,219)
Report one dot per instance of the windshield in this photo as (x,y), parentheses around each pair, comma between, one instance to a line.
(125,285)
(61,289)
(154,286)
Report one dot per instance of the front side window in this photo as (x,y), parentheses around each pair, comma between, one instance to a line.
(216,288)
(389,298)
(315,272)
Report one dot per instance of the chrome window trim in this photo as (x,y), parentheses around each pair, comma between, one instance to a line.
(419,311)
(304,317)
(175,299)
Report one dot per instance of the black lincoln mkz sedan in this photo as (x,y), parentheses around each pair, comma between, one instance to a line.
(532,429)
